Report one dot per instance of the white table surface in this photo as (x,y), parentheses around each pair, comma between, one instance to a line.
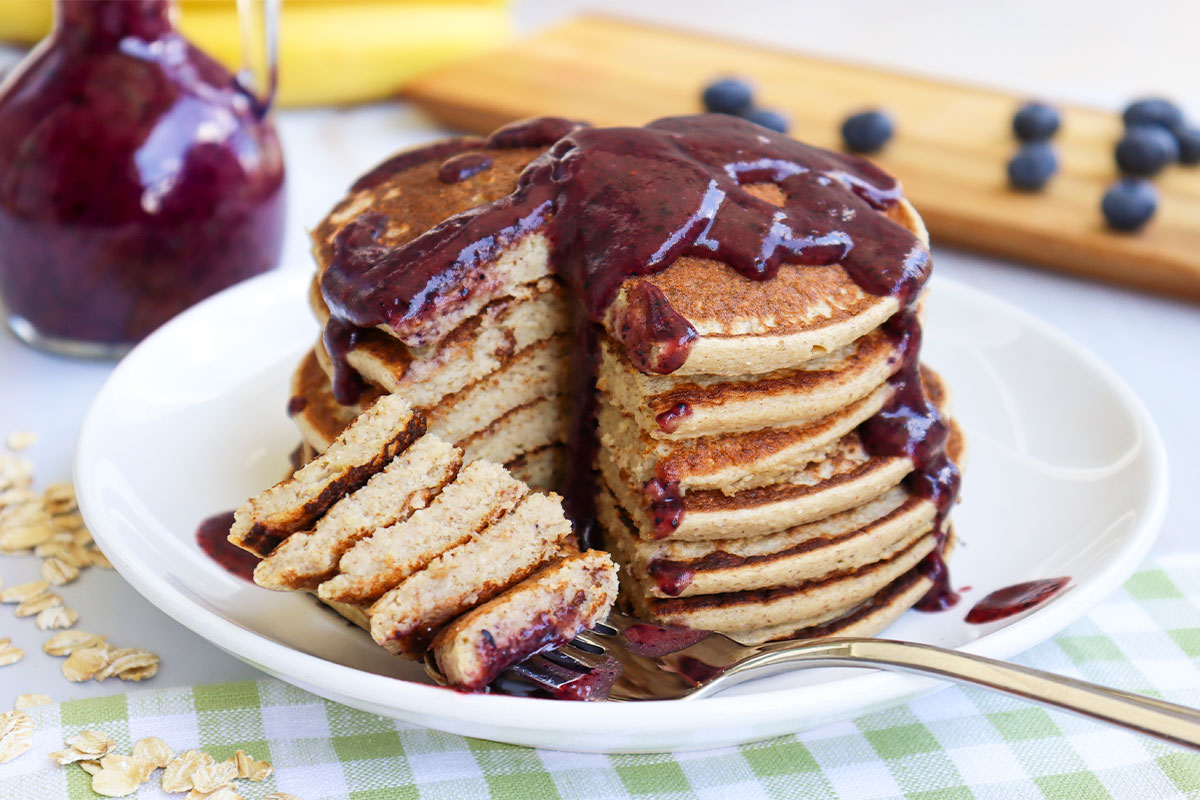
(1065,50)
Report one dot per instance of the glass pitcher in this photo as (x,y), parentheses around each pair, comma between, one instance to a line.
(137,176)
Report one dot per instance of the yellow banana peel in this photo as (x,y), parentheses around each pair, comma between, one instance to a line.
(331,52)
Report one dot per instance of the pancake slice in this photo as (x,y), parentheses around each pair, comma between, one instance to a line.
(544,611)
(408,483)
(521,430)
(481,494)
(541,468)
(405,619)
(296,503)
(839,543)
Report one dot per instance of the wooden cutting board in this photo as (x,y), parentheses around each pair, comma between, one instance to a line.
(950,150)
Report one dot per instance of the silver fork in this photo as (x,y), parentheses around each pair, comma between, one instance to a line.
(707,663)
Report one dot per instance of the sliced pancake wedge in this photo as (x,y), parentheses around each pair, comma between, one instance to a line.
(405,619)
(479,495)
(544,611)
(541,468)
(408,483)
(524,429)
(294,504)
(839,543)
(471,352)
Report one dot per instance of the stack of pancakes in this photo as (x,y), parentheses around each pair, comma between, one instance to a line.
(736,489)
(392,528)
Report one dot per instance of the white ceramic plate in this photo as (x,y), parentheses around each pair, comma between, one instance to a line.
(1067,476)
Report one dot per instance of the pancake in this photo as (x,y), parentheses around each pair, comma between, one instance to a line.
(406,618)
(541,468)
(668,407)
(544,611)
(730,462)
(867,618)
(479,495)
(742,325)
(839,543)
(296,503)
(409,482)
(526,428)
(471,352)
(312,407)
(800,605)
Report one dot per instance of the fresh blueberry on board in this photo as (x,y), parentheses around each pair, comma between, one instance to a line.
(1153,111)
(1188,140)
(1145,149)
(1032,167)
(866,131)
(771,120)
(728,96)
(1035,122)
(1129,204)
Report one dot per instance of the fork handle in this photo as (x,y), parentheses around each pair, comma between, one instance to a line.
(1157,718)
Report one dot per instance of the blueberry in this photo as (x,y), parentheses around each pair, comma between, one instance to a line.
(1153,111)
(728,96)
(1035,122)
(866,131)
(1129,204)
(1145,149)
(1031,168)
(772,120)
(1188,140)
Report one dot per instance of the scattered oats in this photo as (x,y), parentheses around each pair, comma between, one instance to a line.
(9,653)
(15,471)
(153,750)
(93,743)
(139,673)
(16,734)
(177,775)
(59,493)
(23,591)
(21,440)
(128,660)
(68,522)
(81,665)
(99,559)
(67,642)
(30,700)
(69,755)
(280,796)
(23,516)
(90,767)
(210,777)
(38,604)
(56,618)
(58,572)
(120,775)
(82,537)
(16,497)
(250,769)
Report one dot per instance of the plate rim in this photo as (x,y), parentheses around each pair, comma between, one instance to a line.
(373,692)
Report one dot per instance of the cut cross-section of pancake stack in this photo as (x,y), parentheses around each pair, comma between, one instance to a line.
(393,529)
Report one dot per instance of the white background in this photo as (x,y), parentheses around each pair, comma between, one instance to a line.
(1101,53)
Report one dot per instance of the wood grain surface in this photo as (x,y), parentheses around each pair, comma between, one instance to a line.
(950,149)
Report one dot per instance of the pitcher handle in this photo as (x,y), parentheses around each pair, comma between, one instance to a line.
(258,81)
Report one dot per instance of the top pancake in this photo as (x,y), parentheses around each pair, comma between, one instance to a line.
(743,325)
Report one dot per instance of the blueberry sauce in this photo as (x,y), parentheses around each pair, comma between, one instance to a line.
(212,535)
(462,166)
(1015,599)
(668,421)
(655,641)
(296,404)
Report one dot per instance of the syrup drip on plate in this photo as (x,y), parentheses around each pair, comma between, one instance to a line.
(1012,600)
(212,535)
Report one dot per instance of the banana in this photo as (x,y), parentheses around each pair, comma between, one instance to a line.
(330,52)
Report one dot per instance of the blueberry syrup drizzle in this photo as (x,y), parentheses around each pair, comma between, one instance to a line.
(462,166)
(668,421)
(911,426)
(212,536)
(619,203)
(1014,599)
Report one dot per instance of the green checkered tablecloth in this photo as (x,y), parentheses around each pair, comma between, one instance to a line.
(957,743)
